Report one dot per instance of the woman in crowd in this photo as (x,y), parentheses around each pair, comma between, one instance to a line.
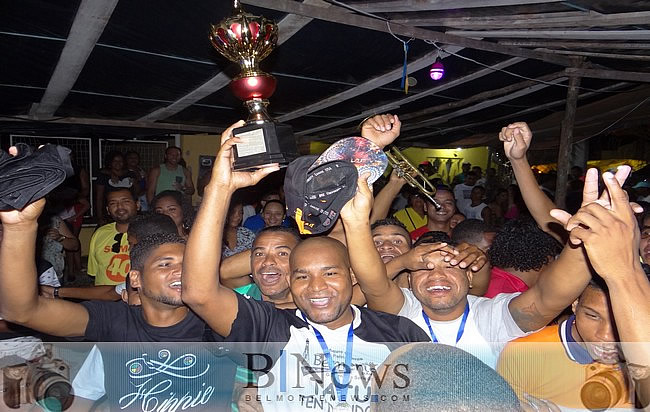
(236,238)
(172,204)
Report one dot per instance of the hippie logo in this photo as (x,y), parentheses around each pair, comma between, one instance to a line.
(157,382)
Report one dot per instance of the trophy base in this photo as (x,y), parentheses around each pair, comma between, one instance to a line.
(264,143)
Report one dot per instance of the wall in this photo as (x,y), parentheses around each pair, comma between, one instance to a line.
(195,145)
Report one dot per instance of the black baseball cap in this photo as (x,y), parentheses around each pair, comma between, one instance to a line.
(315,196)
(32,174)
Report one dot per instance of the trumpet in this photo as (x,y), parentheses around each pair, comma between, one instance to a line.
(411,174)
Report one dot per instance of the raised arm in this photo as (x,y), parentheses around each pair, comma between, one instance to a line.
(235,270)
(19,299)
(101,292)
(611,239)
(381,293)
(385,197)
(516,138)
(202,290)
(562,281)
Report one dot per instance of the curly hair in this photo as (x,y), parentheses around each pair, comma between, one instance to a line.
(523,246)
(141,251)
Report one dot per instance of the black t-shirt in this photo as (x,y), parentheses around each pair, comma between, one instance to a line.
(163,366)
(295,374)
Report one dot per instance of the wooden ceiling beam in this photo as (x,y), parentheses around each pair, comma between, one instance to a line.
(526,21)
(419,5)
(517,116)
(616,56)
(480,106)
(342,16)
(415,20)
(88,25)
(576,45)
(363,88)
(174,127)
(606,35)
(413,97)
(609,74)
(479,97)
(287,27)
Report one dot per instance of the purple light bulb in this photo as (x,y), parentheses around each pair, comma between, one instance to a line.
(437,70)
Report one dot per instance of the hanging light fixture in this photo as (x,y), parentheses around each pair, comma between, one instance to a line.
(437,70)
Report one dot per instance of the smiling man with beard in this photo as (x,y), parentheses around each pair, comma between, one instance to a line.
(132,374)
(108,256)
(325,336)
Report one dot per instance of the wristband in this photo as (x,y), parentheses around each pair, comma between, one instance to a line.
(56,293)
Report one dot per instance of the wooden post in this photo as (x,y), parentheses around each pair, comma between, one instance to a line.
(566,141)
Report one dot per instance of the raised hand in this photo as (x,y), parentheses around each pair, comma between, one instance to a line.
(467,256)
(609,234)
(419,257)
(29,214)
(590,193)
(357,209)
(223,174)
(516,138)
(381,129)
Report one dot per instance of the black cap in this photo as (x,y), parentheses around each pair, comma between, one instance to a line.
(30,174)
(315,197)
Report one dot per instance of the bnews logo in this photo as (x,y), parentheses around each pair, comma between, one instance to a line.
(293,372)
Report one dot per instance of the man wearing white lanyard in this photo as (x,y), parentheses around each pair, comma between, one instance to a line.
(320,356)
(438,299)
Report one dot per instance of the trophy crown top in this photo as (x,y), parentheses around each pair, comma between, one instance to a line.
(244,38)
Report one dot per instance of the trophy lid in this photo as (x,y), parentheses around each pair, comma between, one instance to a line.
(244,38)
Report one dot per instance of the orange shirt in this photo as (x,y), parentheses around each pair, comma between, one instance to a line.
(550,365)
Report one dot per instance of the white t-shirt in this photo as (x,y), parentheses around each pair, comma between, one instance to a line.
(463,194)
(488,328)
(474,212)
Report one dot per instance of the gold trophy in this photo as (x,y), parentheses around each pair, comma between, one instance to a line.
(246,40)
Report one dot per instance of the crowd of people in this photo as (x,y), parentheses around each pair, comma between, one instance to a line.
(487,298)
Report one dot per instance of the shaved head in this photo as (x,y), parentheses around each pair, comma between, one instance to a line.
(321,282)
(321,242)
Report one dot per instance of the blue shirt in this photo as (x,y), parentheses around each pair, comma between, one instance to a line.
(256,223)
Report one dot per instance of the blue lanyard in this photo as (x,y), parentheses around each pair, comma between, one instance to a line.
(341,387)
(461,328)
